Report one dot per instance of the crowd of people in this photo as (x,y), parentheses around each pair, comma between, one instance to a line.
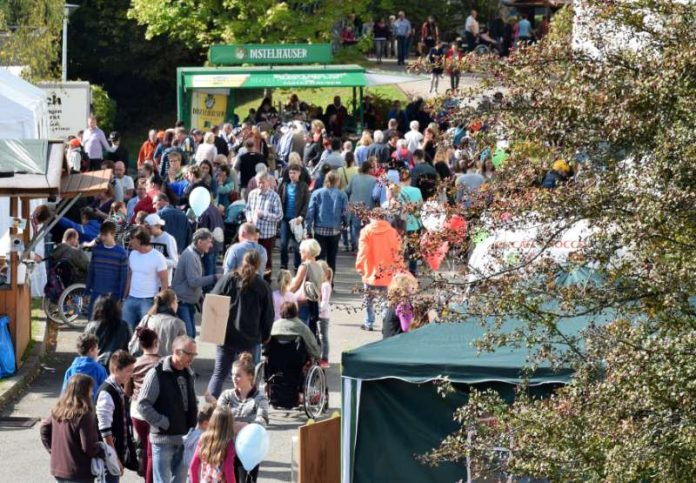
(300,188)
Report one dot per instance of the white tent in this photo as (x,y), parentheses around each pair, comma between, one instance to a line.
(23,115)
(23,109)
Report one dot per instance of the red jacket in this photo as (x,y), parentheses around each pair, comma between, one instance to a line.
(143,205)
(379,253)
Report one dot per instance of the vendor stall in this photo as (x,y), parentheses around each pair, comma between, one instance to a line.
(392,412)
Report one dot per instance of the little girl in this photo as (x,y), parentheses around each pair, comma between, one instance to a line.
(213,460)
(400,315)
(282,293)
(325,313)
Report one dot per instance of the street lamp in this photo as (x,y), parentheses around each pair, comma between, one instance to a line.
(68,9)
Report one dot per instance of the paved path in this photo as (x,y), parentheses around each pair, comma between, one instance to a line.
(24,458)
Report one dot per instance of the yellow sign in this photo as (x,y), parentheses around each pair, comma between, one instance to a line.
(218,80)
(207,110)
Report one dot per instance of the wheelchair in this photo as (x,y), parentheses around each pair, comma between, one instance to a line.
(65,301)
(290,378)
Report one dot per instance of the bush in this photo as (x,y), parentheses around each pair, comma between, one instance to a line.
(104,108)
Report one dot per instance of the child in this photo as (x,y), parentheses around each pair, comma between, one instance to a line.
(282,294)
(399,316)
(86,363)
(194,434)
(214,457)
(325,313)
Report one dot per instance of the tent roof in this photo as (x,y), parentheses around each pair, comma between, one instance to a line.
(446,350)
(37,167)
(286,76)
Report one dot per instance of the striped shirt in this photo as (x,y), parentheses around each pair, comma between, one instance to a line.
(108,271)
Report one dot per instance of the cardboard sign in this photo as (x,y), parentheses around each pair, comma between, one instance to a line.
(216,310)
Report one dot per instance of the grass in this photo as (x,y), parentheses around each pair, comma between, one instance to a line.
(322,96)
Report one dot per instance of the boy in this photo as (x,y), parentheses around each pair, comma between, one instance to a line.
(194,434)
(86,363)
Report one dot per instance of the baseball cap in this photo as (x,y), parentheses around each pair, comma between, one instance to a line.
(74,143)
(154,219)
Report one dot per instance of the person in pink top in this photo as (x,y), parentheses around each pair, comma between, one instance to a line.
(213,460)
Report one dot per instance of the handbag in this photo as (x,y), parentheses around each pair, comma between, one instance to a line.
(308,291)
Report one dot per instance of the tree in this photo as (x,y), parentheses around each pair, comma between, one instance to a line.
(30,36)
(206,22)
(622,117)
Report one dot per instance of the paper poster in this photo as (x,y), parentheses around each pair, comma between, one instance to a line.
(207,110)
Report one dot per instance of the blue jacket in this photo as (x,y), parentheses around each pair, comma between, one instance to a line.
(87,232)
(89,367)
(327,208)
(177,225)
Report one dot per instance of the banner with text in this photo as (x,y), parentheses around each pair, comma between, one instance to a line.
(207,109)
(270,54)
(68,107)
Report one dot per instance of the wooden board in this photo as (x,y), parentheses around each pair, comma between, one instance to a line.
(320,452)
(216,311)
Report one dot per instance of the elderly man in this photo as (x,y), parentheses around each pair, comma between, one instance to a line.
(127,183)
(188,279)
(379,148)
(147,150)
(402,31)
(265,210)
(167,401)
(248,237)
(95,143)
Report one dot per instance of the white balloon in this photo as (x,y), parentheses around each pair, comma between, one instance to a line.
(433,216)
(252,445)
(199,200)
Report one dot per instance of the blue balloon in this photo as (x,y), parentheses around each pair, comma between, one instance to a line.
(199,200)
(252,445)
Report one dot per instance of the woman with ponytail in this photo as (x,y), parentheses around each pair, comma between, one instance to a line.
(250,318)
(163,320)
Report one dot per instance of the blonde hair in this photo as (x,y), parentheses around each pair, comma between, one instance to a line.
(294,158)
(311,247)
(317,125)
(365,139)
(401,286)
(209,138)
(326,269)
(216,439)
(284,279)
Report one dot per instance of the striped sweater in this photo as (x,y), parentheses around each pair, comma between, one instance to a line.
(108,271)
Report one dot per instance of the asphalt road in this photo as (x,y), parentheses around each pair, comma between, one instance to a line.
(23,458)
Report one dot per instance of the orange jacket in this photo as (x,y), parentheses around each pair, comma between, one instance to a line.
(379,253)
(146,153)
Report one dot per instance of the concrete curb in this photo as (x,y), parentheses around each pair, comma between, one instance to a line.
(13,387)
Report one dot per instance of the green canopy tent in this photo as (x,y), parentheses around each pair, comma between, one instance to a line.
(220,83)
(390,406)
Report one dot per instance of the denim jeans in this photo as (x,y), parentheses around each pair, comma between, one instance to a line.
(208,263)
(373,292)
(402,48)
(380,48)
(187,313)
(167,463)
(135,309)
(356,225)
(329,249)
(287,239)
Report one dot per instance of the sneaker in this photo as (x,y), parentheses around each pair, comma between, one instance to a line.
(324,364)
(365,327)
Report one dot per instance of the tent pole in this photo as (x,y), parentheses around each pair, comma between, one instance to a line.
(355,110)
(361,126)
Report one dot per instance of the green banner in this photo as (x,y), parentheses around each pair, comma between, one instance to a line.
(269,54)
(280,79)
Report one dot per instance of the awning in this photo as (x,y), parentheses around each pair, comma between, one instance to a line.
(290,76)
(37,166)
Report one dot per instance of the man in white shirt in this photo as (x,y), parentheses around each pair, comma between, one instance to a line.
(471,30)
(162,241)
(414,136)
(126,181)
(147,275)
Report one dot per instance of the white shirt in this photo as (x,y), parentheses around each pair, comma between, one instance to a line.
(471,25)
(205,151)
(172,256)
(413,138)
(145,268)
(127,183)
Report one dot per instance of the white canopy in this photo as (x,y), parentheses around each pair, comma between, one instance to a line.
(23,115)
(23,109)
(380,78)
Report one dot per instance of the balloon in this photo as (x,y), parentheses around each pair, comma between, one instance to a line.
(251,445)
(432,216)
(434,258)
(480,236)
(199,200)
(499,158)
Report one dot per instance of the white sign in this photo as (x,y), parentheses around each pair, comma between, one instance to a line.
(68,107)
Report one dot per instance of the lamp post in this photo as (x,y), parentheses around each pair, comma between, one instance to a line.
(68,9)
